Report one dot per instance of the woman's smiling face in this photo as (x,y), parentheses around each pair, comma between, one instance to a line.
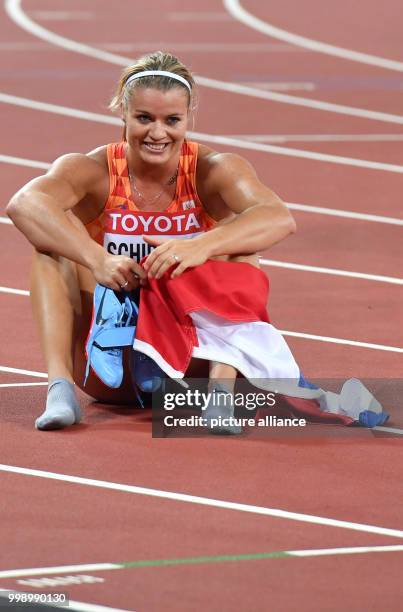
(156,123)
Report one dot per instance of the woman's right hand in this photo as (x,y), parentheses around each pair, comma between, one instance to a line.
(118,272)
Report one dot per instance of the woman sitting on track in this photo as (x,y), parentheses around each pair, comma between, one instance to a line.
(93,217)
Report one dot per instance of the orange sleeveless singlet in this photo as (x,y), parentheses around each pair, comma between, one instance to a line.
(121,225)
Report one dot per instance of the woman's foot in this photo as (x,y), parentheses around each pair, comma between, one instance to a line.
(62,408)
(219,412)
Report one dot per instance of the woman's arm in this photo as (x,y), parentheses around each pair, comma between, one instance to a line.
(253,218)
(259,218)
(40,211)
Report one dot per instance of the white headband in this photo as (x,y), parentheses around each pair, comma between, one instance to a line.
(171,75)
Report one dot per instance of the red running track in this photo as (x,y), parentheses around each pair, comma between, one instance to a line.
(346,474)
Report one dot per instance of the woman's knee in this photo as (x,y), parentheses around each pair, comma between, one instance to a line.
(250,259)
(52,274)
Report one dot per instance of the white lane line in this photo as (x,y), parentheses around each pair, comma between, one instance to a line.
(333,271)
(320,210)
(61,569)
(205,501)
(394,430)
(107,567)
(6,220)
(235,9)
(20,161)
(348,214)
(311,103)
(367,345)
(275,263)
(58,110)
(330,339)
(299,153)
(223,140)
(14,291)
(271,138)
(24,372)
(344,551)
(6,385)
(79,606)
(15,13)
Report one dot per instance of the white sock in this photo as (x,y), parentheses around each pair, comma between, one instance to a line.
(62,408)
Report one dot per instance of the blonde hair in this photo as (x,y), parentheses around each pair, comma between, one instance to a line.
(154,61)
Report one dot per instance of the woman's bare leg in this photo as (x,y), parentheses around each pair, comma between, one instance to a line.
(61,294)
(55,298)
(223,375)
(56,285)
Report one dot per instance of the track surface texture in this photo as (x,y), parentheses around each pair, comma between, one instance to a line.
(311,93)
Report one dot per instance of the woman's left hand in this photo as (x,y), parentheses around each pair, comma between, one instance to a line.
(182,253)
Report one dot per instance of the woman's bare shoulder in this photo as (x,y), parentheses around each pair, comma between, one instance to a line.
(206,158)
(100,155)
(81,168)
(215,168)
(210,160)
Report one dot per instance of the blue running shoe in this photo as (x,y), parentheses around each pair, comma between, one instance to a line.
(370,419)
(113,327)
(146,374)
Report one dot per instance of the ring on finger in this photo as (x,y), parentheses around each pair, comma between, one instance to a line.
(124,284)
(176,258)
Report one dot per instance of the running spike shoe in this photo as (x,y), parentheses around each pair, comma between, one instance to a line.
(112,328)
(146,374)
